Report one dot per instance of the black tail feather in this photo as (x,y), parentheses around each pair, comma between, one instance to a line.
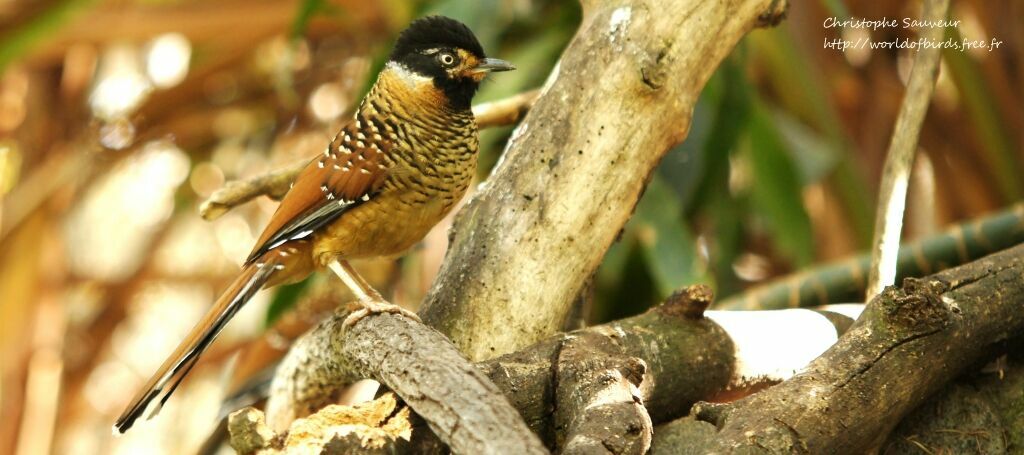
(177,366)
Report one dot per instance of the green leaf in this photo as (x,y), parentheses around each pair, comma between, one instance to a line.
(995,137)
(801,89)
(732,96)
(730,87)
(776,190)
(614,263)
(815,157)
(727,237)
(668,246)
(684,165)
(631,291)
(284,299)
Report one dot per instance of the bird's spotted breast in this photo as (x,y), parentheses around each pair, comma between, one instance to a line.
(427,159)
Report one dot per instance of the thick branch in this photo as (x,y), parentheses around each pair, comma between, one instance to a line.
(278,181)
(598,400)
(462,406)
(686,357)
(622,94)
(961,418)
(980,412)
(907,344)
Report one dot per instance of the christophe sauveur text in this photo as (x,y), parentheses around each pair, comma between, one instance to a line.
(865,42)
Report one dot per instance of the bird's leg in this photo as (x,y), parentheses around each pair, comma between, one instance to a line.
(355,283)
(369,300)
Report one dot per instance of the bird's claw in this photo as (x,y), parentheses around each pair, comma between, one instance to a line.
(364,308)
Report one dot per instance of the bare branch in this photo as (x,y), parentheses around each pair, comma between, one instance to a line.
(892,195)
(667,358)
(506,111)
(274,184)
(908,343)
(598,398)
(461,405)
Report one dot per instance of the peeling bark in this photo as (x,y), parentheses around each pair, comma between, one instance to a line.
(461,405)
(381,426)
(686,357)
(598,402)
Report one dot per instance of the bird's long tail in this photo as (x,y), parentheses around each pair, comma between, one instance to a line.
(178,364)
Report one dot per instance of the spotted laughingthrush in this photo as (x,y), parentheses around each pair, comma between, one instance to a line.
(386,179)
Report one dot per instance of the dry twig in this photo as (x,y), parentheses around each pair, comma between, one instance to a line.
(892,196)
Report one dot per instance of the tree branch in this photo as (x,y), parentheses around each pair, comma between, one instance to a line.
(892,195)
(505,111)
(277,182)
(461,405)
(908,343)
(686,358)
(598,400)
(523,247)
(664,360)
(670,357)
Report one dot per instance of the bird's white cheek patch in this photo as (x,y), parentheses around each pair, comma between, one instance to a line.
(411,78)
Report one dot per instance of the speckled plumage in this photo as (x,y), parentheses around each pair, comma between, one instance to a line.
(393,172)
(425,164)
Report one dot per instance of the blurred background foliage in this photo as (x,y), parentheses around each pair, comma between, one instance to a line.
(117,118)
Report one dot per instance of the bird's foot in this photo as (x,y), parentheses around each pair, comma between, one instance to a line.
(364,308)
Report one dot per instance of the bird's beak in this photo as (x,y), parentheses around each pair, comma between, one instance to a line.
(491,65)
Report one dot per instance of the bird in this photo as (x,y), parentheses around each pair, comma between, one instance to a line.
(400,164)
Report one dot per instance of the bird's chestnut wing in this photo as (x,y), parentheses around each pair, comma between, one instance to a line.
(347,174)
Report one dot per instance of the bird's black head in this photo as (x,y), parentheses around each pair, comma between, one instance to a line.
(447,52)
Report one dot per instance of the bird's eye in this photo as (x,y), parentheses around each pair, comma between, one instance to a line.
(446,59)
